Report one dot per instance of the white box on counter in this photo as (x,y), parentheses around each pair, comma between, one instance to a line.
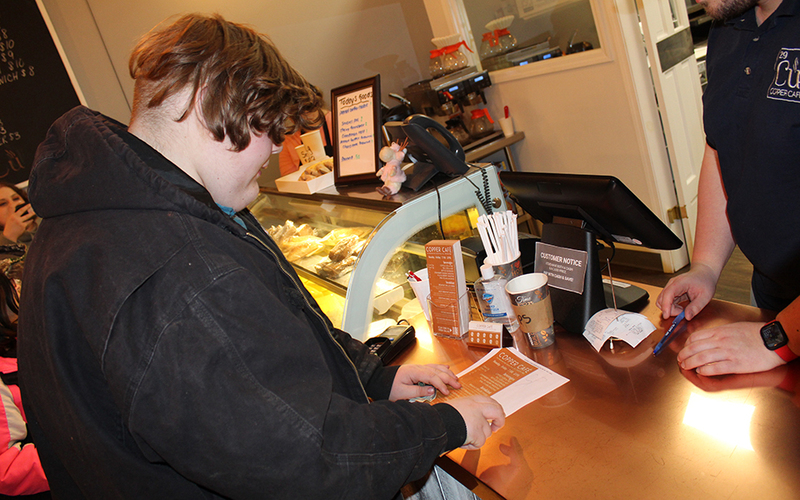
(291,183)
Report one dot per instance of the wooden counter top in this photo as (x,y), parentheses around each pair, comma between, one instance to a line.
(476,153)
(631,425)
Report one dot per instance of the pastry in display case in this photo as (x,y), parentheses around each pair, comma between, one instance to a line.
(352,248)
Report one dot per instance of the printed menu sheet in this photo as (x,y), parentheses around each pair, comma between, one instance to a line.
(509,377)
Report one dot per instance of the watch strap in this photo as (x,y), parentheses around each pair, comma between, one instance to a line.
(785,353)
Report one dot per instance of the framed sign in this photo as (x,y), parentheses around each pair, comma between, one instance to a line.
(356,131)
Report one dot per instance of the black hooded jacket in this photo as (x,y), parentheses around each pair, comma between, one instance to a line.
(167,352)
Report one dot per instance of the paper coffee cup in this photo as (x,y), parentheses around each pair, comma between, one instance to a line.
(507,126)
(305,154)
(422,289)
(530,299)
(507,269)
(313,140)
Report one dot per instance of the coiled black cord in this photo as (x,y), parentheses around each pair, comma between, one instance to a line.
(485,197)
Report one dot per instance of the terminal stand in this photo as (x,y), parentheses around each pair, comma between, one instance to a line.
(572,310)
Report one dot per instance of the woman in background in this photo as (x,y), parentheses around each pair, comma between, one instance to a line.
(17,219)
(289,160)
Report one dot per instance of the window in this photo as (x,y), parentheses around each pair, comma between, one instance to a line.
(542,29)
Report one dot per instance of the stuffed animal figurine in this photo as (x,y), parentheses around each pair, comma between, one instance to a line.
(392,173)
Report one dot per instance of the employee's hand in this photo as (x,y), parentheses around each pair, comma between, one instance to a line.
(483,416)
(732,348)
(697,286)
(19,221)
(408,377)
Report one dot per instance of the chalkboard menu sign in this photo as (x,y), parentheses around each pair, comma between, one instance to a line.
(35,86)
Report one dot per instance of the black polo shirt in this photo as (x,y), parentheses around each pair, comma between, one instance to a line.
(752,118)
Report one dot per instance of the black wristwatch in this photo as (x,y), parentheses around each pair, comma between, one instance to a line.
(775,339)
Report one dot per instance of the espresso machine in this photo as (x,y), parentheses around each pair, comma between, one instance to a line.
(456,101)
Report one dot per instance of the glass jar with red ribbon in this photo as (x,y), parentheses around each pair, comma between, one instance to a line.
(453,59)
(490,46)
(436,65)
(507,41)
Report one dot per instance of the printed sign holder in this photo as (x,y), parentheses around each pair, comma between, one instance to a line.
(573,310)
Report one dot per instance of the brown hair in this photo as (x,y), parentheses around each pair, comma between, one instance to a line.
(22,194)
(242,82)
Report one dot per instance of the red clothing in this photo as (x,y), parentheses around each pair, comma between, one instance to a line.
(789,319)
(20,469)
(289,159)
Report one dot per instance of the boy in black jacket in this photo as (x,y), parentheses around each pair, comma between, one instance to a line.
(168,348)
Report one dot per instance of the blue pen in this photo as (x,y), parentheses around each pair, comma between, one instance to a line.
(667,338)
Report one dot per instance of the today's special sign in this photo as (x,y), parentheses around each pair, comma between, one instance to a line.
(356,117)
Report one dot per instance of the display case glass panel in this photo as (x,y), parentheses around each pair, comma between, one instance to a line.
(354,254)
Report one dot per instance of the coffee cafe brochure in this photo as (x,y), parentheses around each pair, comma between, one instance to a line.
(509,377)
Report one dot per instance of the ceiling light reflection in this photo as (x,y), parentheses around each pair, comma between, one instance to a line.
(723,420)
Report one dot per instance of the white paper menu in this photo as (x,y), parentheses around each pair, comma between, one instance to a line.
(356,132)
(509,377)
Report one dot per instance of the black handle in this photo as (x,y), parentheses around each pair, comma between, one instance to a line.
(426,123)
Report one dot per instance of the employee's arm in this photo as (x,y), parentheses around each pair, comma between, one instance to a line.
(713,245)
(789,319)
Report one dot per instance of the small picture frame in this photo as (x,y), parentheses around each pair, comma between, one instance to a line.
(356,115)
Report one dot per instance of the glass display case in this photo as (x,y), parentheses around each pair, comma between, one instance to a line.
(352,247)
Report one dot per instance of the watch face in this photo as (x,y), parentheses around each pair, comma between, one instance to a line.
(774,336)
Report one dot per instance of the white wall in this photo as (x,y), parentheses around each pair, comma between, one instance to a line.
(331,42)
(87,56)
(582,119)
(574,121)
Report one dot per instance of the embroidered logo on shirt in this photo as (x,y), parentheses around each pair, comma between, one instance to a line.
(786,84)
